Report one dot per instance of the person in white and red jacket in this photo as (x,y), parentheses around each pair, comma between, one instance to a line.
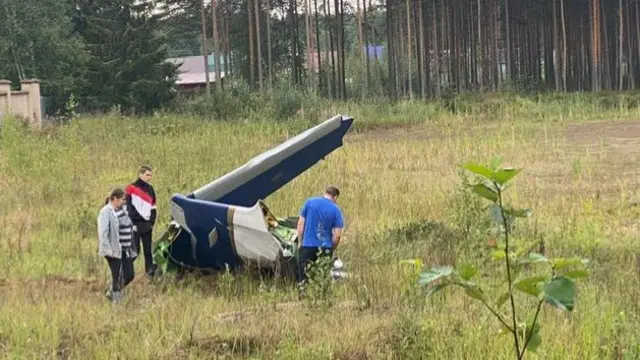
(141,206)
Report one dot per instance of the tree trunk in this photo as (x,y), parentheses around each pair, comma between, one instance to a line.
(479,67)
(317,32)
(227,46)
(252,64)
(309,51)
(390,51)
(258,42)
(205,48)
(293,39)
(564,47)
(606,78)
(361,50)
(508,39)
(269,45)
(595,46)
(329,41)
(216,46)
(336,11)
(436,51)
(409,53)
(366,45)
(620,47)
(496,34)
(638,32)
(630,60)
(556,46)
(342,47)
(443,43)
(423,53)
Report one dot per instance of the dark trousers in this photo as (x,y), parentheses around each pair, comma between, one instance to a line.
(122,272)
(307,257)
(128,273)
(115,265)
(144,233)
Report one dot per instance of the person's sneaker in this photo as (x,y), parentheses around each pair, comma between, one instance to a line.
(149,274)
(301,291)
(116,296)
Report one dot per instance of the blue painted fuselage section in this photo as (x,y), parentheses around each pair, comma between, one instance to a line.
(201,218)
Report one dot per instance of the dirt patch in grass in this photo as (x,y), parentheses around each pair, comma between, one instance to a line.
(613,148)
(596,130)
(221,347)
(55,284)
(58,281)
(621,139)
(4,182)
(393,133)
(352,354)
(236,316)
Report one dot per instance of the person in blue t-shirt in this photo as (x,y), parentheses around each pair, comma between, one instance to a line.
(319,229)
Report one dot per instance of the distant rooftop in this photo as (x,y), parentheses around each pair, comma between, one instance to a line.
(192,69)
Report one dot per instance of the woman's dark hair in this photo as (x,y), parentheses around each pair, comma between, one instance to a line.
(116,193)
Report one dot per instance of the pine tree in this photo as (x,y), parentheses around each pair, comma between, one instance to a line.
(37,41)
(128,66)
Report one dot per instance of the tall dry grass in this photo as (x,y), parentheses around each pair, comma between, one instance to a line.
(401,200)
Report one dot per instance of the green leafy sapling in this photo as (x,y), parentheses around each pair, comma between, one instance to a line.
(553,282)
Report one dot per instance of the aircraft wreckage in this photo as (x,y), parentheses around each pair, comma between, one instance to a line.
(225,225)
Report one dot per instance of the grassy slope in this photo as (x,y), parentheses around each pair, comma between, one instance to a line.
(581,187)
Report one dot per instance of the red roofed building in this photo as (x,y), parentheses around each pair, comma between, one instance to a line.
(192,75)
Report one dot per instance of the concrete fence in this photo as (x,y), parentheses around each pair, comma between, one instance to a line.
(24,103)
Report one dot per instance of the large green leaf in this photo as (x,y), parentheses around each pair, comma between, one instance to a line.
(532,285)
(560,292)
(485,191)
(503,176)
(479,170)
(434,274)
(467,271)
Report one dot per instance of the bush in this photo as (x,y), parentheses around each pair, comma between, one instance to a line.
(238,102)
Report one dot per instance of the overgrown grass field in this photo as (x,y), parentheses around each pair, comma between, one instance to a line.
(399,173)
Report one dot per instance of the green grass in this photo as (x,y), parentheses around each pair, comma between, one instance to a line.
(398,172)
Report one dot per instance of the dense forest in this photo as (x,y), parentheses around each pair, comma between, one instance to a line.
(111,52)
